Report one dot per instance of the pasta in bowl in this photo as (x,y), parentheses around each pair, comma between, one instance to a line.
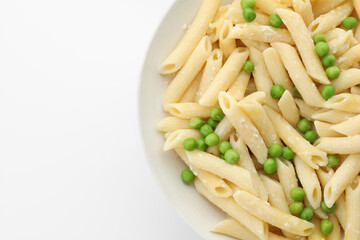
(260,116)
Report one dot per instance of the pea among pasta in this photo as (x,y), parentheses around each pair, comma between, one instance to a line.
(265,113)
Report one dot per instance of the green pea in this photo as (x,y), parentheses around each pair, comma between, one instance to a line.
(287,153)
(311,136)
(328,60)
(213,123)
(222,156)
(231,156)
(270,166)
(322,48)
(275,150)
(249,14)
(350,22)
(205,130)
(248,66)
(319,37)
(297,193)
(304,125)
(326,226)
(248,4)
(333,72)
(307,214)
(296,208)
(296,93)
(224,146)
(189,144)
(201,145)
(217,114)
(328,91)
(187,176)
(212,139)
(275,20)
(196,123)
(333,161)
(326,209)
(277,91)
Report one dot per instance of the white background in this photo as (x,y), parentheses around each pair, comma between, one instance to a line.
(71,164)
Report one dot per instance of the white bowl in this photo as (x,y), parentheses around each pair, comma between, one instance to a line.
(166,166)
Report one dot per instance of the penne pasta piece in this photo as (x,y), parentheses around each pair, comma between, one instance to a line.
(276,69)
(258,116)
(355,90)
(271,215)
(307,152)
(352,230)
(347,79)
(340,145)
(185,77)
(188,43)
(287,177)
(213,29)
(304,8)
(324,129)
(331,116)
(210,163)
(233,228)
(212,67)
(269,6)
(261,77)
(348,127)
(305,110)
(256,96)
(357,6)
(244,126)
(238,89)
(228,205)
(341,210)
(261,46)
(305,45)
(260,33)
(190,93)
(343,176)
(323,6)
(349,58)
(298,75)
(336,232)
(213,183)
(289,109)
(226,76)
(324,174)
(176,138)
(309,181)
(246,162)
(341,43)
(188,110)
(227,44)
(318,211)
(277,197)
(170,124)
(331,19)
(344,102)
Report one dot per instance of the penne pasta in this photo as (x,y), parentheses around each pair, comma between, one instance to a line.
(307,152)
(225,78)
(340,44)
(341,210)
(287,177)
(340,145)
(184,49)
(238,89)
(261,46)
(226,43)
(336,232)
(305,45)
(170,124)
(323,6)
(344,102)
(243,125)
(297,72)
(228,205)
(343,176)
(352,230)
(176,138)
(185,77)
(190,93)
(273,216)
(289,109)
(260,33)
(324,129)
(347,79)
(349,58)
(269,6)
(348,127)
(304,8)
(188,110)
(331,116)
(305,110)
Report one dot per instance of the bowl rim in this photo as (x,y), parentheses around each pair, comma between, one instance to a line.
(144,146)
